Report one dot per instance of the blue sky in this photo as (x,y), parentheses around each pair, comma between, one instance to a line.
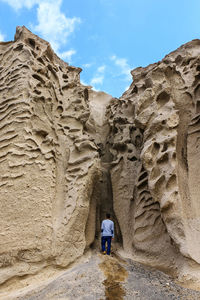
(106,38)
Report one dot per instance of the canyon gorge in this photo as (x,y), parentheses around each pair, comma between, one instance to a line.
(69,154)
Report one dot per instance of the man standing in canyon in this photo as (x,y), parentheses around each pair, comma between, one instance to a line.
(107,234)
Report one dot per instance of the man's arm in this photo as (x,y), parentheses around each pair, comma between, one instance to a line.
(112,230)
(102,227)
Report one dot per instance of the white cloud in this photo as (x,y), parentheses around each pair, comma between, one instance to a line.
(94,89)
(101,69)
(88,65)
(83,82)
(97,80)
(67,55)
(17,4)
(99,76)
(52,23)
(123,65)
(2,37)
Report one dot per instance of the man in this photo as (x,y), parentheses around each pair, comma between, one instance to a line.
(107,234)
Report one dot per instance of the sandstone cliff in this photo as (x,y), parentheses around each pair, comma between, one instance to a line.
(49,161)
(69,154)
(155,146)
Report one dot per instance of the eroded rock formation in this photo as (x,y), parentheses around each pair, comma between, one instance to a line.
(49,162)
(69,154)
(154,140)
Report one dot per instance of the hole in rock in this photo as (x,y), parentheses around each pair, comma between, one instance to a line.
(159,183)
(163,98)
(31,43)
(142,176)
(59,109)
(197,92)
(41,133)
(178,59)
(133,158)
(196,81)
(198,107)
(65,76)
(19,47)
(171,184)
(134,90)
(86,94)
(120,147)
(40,60)
(49,53)
(165,147)
(174,155)
(34,54)
(138,141)
(115,130)
(38,78)
(156,146)
(163,159)
(121,120)
(142,185)
(155,172)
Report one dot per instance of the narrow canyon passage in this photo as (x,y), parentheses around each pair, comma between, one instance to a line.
(101,203)
(105,204)
(69,155)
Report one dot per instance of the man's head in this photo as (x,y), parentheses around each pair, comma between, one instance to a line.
(108,216)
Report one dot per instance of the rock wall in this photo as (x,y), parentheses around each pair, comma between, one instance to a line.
(49,162)
(138,212)
(69,154)
(154,141)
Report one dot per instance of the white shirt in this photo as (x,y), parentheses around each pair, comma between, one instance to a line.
(107,228)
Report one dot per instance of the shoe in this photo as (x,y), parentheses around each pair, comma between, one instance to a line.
(104,252)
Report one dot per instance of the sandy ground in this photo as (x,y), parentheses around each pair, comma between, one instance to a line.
(98,276)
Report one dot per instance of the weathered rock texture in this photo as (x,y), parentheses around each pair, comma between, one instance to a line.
(69,154)
(49,163)
(154,141)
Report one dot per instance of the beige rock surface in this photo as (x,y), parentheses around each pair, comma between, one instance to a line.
(155,146)
(69,154)
(49,162)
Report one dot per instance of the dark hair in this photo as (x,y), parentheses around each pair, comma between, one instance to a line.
(108,216)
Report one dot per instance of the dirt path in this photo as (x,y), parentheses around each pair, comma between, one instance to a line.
(100,277)
(115,275)
(126,279)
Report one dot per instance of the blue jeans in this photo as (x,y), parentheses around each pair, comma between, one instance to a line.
(105,239)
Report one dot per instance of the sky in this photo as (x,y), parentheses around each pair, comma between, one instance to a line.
(106,38)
